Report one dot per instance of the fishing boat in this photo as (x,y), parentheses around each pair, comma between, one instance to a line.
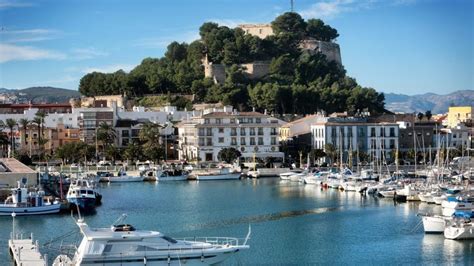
(82,194)
(171,175)
(23,203)
(222,174)
(124,177)
(123,244)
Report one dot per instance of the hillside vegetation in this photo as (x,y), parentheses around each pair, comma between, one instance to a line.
(299,81)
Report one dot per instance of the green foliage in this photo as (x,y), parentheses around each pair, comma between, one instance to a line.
(133,152)
(299,81)
(74,152)
(228,155)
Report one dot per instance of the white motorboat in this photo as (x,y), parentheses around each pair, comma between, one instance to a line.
(409,192)
(457,230)
(123,177)
(171,175)
(287,175)
(23,203)
(267,172)
(222,174)
(315,178)
(298,177)
(438,200)
(124,245)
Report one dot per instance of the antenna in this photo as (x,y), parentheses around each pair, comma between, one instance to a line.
(292,5)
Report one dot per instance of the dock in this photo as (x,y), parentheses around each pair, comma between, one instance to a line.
(25,252)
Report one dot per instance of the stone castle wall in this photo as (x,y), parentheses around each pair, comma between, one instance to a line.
(329,49)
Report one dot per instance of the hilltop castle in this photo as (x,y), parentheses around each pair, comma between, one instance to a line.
(259,69)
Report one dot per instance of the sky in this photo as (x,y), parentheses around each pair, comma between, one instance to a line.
(399,46)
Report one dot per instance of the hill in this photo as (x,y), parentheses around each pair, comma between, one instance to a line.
(41,94)
(428,101)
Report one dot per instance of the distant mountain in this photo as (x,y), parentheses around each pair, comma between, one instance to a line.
(428,101)
(42,94)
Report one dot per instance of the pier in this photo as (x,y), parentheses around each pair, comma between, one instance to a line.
(25,252)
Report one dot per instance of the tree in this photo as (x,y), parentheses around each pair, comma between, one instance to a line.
(228,155)
(316,154)
(428,115)
(11,124)
(317,29)
(106,134)
(420,116)
(24,123)
(331,151)
(289,23)
(113,153)
(133,152)
(150,136)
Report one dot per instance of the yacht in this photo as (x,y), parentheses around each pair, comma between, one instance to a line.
(436,224)
(82,194)
(123,177)
(123,244)
(459,229)
(23,203)
(287,175)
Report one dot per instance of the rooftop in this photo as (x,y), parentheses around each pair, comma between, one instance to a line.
(14,166)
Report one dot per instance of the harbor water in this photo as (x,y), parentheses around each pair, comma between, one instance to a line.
(291,223)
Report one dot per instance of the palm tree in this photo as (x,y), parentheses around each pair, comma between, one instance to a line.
(37,120)
(4,142)
(11,123)
(24,123)
(106,134)
(150,137)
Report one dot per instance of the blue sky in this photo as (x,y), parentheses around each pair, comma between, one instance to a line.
(401,46)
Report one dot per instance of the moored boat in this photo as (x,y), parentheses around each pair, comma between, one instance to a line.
(222,174)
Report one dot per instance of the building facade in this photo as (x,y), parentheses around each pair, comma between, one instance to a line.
(459,114)
(252,133)
(378,140)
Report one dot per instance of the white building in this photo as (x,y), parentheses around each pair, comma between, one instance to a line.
(355,134)
(252,133)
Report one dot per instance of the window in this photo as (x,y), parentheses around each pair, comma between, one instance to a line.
(273,141)
(392,132)
(208,141)
(273,131)
(250,120)
(233,141)
(221,130)
(206,121)
(392,144)
(242,141)
(258,120)
(260,131)
(125,133)
(201,141)
(252,141)
(372,132)
(232,120)
(252,131)
(260,141)
(221,140)
(233,131)
(349,132)
(218,121)
(382,132)
(201,132)
(208,131)
(208,157)
(242,131)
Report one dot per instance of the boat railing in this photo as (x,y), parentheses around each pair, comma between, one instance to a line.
(231,241)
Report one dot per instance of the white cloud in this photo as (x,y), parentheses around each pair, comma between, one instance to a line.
(4,4)
(28,35)
(164,41)
(109,68)
(87,53)
(331,8)
(10,52)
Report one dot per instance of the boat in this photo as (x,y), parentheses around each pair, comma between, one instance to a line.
(171,175)
(123,244)
(436,224)
(267,172)
(222,174)
(123,177)
(463,202)
(287,175)
(23,203)
(459,229)
(82,194)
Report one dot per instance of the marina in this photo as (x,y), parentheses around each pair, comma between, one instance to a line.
(301,221)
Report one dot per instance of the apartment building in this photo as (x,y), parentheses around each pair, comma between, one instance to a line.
(252,133)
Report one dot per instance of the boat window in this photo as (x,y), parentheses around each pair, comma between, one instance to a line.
(90,192)
(169,239)
(83,191)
